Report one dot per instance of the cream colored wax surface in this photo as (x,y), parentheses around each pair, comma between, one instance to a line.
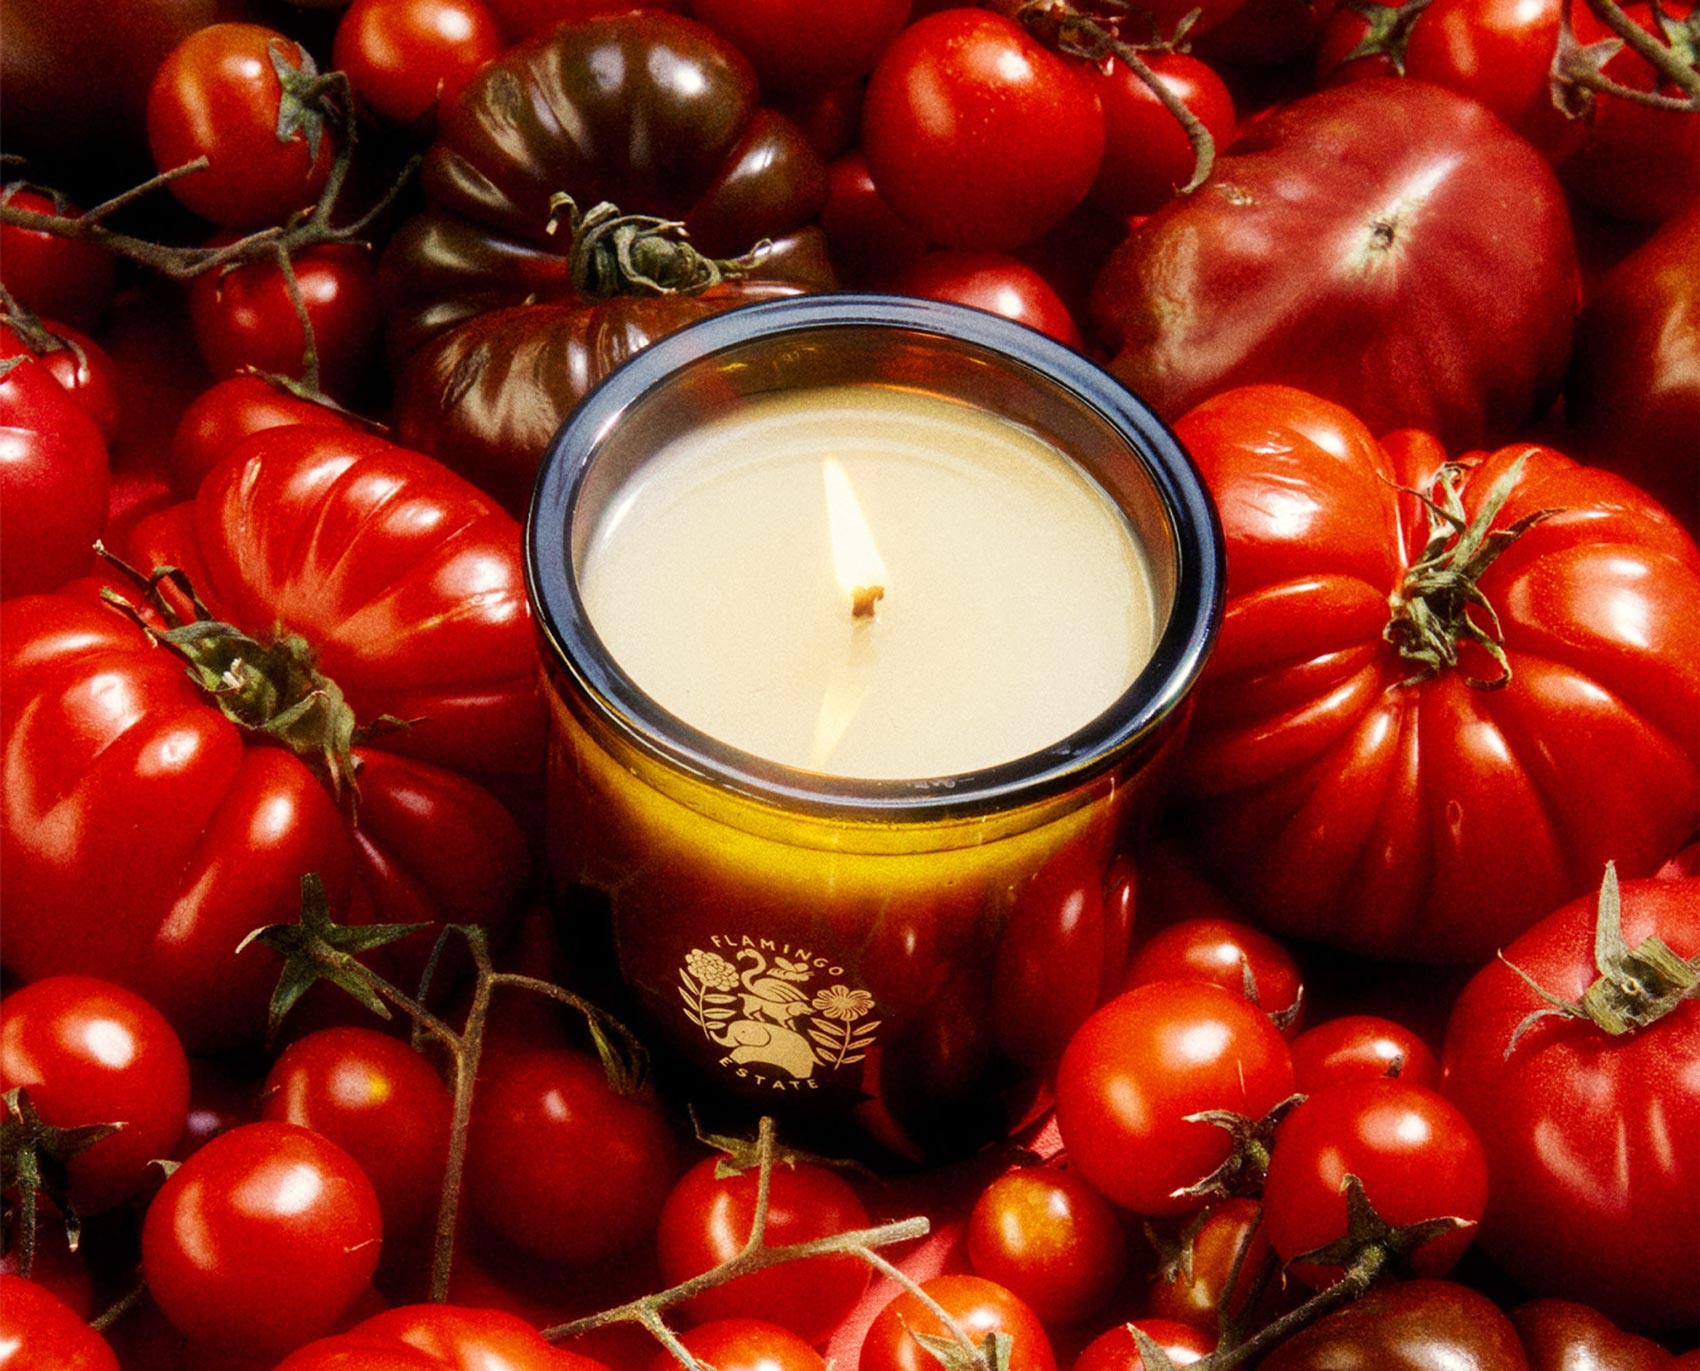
(1016,607)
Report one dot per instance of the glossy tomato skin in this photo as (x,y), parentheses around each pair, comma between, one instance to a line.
(1227,953)
(560,1165)
(492,338)
(1311,260)
(40,1332)
(54,277)
(349,1352)
(1147,156)
(1417,1156)
(227,412)
(870,242)
(1116,1350)
(978,1306)
(737,1344)
(87,1051)
(994,282)
(1429,821)
(83,368)
(408,58)
(54,475)
(977,134)
(1591,1141)
(217,96)
(1633,393)
(244,319)
(1362,1047)
(1051,1239)
(707,1219)
(1144,1062)
(1196,1296)
(1419,1325)
(380,1101)
(262,1239)
(1561,1335)
(463,1339)
(107,738)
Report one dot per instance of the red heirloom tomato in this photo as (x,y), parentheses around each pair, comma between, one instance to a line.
(408,58)
(54,475)
(1592,1137)
(40,1332)
(1416,1155)
(379,1100)
(1351,786)
(977,1306)
(1341,246)
(1049,1237)
(506,306)
(1409,1325)
(707,1220)
(560,1165)
(1633,395)
(977,133)
(145,831)
(237,95)
(262,1239)
(1145,1062)
(86,1051)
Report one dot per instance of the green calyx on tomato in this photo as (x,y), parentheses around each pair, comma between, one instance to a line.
(1637,986)
(1431,607)
(33,1154)
(271,689)
(1371,1245)
(1243,1169)
(638,254)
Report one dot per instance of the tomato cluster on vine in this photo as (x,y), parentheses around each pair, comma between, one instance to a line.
(1402,1058)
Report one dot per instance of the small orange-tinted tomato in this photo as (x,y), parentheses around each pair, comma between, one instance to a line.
(1118,1349)
(1361,1047)
(1190,1289)
(707,1220)
(1051,1238)
(979,1307)
(744,1345)
(1230,954)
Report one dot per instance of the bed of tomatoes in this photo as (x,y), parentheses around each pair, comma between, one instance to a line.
(1404,1067)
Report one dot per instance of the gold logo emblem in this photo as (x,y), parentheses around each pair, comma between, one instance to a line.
(757,1002)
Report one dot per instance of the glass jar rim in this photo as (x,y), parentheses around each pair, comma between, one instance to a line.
(1112,736)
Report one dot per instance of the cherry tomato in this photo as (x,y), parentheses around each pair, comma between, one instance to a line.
(977,134)
(562,1166)
(744,1345)
(1416,1154)
(1362,1047)
(380,1100)
(870,241)
(262,1239)
(707,1218)
(460,1339)
(54,476)
(407,58)
(40,1332)
(803,45)
(977,1306)
(994,282)
(1147,155)
(1049,1238)
(244,319)
(1141,1065)
(1117,1350)
(350,1352)
(219,95)
(54,277)
(1193,1287)
(90,1052)
(81,366)
(1233,955)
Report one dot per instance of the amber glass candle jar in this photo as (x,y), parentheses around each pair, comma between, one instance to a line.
(805,919)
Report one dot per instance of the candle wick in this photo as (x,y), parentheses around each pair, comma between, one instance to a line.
(863,599)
